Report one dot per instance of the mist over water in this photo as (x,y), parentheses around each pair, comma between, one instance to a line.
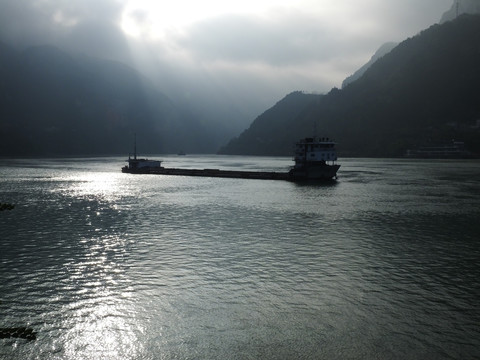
(381,264)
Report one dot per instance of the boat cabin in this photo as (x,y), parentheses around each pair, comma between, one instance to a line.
(143,163)
(311,151)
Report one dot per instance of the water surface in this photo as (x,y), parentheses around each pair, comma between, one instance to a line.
(382,264)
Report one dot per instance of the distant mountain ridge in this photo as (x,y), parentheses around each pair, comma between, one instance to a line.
(54,104)
(461,7)
(382,51)
(282,114)
(427,89)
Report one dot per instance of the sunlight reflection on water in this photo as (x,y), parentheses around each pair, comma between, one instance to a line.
(381,264)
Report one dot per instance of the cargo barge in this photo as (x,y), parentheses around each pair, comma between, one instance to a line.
(315,159)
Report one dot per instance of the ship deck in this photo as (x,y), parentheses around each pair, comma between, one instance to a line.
(235,174)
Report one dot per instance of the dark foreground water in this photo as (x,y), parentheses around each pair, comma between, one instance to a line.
(382,264)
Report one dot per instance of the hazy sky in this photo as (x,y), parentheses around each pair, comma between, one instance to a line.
(258,50)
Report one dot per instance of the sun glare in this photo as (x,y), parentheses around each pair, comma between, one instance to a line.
(156,19)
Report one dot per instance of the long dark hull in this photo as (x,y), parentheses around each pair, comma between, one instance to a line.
(325,172)
(261,175)
(320,172)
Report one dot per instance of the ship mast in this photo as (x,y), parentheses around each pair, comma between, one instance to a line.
(135,147)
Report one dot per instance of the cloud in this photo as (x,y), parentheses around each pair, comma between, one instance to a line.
(301,37)
(22,24)
(298,33)
(295,49)
(87,26)
(98,38)
(256,53)
(237,39)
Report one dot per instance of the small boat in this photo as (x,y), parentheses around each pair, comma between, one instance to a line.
(449,150)
(315,159)
(139,165)
(136,165)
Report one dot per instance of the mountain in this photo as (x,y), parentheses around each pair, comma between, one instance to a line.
(54,104)
(458,8)
(426,90)
(258,139)
(382,51)
(461,7)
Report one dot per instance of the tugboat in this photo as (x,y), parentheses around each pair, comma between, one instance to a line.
(315,159)
(140,166)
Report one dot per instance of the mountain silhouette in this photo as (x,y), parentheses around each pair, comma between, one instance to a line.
(54,104)
(425,90)
(382,51)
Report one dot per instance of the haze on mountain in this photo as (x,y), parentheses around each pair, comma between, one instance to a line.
(460,7)
(424,91)
(53,104)
(382,51)
(216,64)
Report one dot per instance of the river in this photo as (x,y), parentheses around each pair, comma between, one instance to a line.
(381,264)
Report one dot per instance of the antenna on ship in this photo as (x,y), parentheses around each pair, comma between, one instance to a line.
(457,6)
(135,147)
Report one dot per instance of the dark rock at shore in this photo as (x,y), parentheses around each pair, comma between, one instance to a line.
(18,332)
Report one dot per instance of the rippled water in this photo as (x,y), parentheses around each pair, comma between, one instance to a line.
(382,264)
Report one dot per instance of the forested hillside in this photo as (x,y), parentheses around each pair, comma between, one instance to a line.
(54,104)
(426,90)
(267,128)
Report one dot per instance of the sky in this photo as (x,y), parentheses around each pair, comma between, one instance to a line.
(253,51)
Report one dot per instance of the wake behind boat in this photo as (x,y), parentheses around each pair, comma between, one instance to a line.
(315,159)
